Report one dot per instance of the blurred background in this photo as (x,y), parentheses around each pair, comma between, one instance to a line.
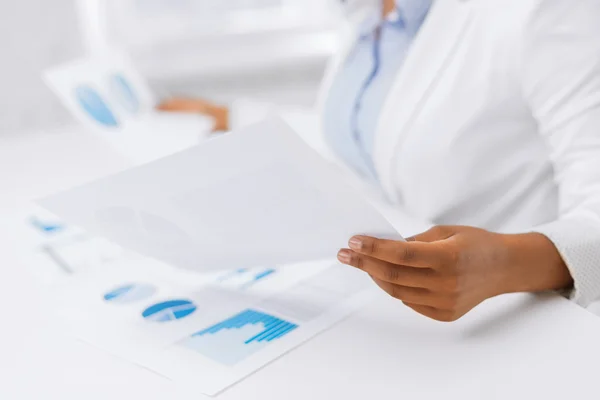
(272,50)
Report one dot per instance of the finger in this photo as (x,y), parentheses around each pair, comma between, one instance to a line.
(385,271)
(432,312)
(172,105)
(183,105)
(412,254)
(433,235)
(407,294)
(427,311)
(165,106)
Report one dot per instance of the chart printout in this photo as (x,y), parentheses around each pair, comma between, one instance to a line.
(212,332)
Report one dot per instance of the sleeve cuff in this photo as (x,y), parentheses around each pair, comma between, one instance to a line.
(578,242)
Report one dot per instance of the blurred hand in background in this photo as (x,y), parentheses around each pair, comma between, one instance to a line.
(198,106)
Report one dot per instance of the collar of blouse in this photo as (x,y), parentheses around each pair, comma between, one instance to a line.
(408,15)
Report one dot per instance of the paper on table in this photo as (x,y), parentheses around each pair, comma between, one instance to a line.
(105,91)
(110,97)
(258,196)
(160,134)
(150,319)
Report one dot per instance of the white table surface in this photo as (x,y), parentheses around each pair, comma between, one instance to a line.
(512,347)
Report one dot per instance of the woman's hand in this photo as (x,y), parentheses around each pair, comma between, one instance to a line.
(447,271)
(219,113)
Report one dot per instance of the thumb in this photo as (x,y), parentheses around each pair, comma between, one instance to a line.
(433,235)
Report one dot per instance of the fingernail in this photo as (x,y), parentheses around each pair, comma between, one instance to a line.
(344,256)
(355,243)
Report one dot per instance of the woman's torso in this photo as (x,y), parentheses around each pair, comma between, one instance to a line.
(460,145)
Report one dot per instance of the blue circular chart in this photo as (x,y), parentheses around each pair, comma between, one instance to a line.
(95,107)
(169,310)
(129,293)
(123,93)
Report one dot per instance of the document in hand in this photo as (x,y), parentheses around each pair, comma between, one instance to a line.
(258,196)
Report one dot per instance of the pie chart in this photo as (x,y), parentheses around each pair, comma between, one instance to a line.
(94,106)
(129,293)
(124,94)
(169,310)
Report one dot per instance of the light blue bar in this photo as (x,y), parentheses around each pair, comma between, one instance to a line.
(264,274)
(269,321)
(275,332)
(276,325)
(280,333)
(266,332)
(242,319)
(214,328)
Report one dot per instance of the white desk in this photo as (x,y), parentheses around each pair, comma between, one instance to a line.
(511,347)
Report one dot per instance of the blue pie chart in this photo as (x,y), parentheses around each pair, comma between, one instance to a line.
(95,107)
(169,310)
(124,94)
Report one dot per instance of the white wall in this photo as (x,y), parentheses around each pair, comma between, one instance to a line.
(34,34)
(279,85)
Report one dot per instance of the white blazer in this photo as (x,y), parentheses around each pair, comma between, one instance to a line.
(494,122)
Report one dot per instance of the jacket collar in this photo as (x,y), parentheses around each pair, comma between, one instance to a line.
(434,47)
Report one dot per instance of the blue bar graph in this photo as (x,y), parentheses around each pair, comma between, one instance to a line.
(245,278)
(236,338)
(233,274)
(259,277)
(264,274)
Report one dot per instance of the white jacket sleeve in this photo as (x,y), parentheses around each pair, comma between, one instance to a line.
(561,82)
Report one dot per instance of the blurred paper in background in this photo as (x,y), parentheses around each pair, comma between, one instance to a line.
(108,95)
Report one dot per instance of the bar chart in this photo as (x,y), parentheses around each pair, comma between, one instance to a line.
(245,278)
(238,337)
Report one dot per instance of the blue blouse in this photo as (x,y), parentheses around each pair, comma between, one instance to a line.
(361,87)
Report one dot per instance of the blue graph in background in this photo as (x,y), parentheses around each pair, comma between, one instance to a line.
(169,310)
(233,274)
(262,275)
(129,293)
(123,93)
(245,277)
(46,227)
(94,106)
(236,338)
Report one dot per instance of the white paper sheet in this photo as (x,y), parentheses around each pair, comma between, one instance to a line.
(210,333)
(258,196)
(306,122)
(109,96)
